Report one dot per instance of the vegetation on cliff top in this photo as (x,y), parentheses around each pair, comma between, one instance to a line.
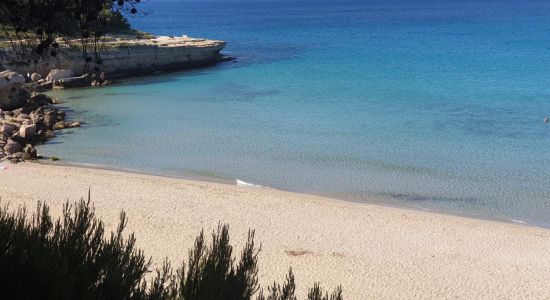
(74,258)
(37,26)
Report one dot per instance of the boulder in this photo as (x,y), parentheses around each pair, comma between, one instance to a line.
(29,152)
(35,77)
(9,78)
(40,99)
(57,74)
(16,157)
(59,125)
(23,116)
(7,129)
(12,96)
(73,82)
(12,147)
(39,111)
(73,125)
(50,117)
(27,131)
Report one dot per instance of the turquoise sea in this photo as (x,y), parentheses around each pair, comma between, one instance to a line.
(435,104)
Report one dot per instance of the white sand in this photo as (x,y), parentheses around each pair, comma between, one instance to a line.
(373,251)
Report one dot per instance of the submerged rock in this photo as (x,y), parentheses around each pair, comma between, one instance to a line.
(73,125)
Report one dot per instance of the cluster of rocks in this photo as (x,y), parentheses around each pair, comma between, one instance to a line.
(11,83)
(23,128)
(27,117)
(80,81)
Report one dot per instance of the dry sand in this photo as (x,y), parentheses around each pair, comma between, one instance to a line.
(373,251)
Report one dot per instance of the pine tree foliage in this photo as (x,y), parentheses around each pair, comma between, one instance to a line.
(35,28)
(74,257)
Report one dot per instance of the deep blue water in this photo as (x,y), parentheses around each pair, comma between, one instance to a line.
(431,104)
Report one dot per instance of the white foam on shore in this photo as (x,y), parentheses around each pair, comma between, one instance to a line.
(519,221)
(248,184)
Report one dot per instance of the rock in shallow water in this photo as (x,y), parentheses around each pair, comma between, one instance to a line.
(29,152)
(59,125)
(50,117)
(73,125)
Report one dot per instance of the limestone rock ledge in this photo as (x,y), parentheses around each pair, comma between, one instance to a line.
(123,57)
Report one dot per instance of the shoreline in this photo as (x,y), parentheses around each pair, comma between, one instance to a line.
(372,200)
(374,251)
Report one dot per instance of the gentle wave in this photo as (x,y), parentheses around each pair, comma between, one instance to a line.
(519,222)
(248,184)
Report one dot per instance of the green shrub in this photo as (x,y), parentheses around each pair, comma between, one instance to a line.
(74,258)
(70,258)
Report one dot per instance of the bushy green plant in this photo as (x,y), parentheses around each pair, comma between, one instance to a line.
(74,258)
(287,291)
(70,258)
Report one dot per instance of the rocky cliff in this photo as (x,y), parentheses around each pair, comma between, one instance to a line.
(127,57)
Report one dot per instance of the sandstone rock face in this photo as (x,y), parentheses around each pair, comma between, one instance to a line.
(57,74)
(128,57)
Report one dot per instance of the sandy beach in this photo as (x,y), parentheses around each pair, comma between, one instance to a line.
(373,251)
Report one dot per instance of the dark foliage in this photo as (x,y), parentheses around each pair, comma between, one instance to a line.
(287,291)
(276,292)
(70,258)
(74,258)
(316,293)
(212,273)
(35,26)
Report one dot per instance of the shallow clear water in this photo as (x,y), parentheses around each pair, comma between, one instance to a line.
(432,104)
